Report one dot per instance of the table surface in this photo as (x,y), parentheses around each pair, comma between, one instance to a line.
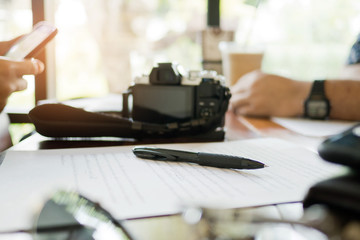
(237,127)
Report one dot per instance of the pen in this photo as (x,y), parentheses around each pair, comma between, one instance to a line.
(201,158)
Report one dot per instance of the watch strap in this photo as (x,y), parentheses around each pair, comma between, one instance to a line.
(318,89)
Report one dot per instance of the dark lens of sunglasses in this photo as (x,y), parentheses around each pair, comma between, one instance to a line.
(68,215)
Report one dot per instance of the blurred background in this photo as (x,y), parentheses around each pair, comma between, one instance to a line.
(102,44)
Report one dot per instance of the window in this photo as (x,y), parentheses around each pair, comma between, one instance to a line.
(307,39)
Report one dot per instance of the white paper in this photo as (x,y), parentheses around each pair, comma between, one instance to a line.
(314,128)
(130,187)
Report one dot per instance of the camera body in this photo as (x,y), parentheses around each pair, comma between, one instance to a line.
(169,95)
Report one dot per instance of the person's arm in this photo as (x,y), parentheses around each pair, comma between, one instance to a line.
(263,95)
(344,97)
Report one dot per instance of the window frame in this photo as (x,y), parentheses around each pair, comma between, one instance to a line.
(38,13)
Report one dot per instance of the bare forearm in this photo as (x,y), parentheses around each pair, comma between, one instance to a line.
(261,94)
(344,96)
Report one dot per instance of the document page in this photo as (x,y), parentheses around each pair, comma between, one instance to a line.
(131,187)
(314,128)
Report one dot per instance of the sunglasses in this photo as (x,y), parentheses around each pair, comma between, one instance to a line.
(70,216)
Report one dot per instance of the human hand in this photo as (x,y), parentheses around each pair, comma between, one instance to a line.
(262,95)
(5,45)
(11,73)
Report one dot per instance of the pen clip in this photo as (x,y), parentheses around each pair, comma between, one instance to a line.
(153,154)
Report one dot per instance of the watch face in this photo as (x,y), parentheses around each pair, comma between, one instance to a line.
(317,109)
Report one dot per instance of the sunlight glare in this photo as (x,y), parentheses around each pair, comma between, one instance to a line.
(70,13)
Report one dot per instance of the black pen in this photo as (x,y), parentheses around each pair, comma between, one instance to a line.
(201,158)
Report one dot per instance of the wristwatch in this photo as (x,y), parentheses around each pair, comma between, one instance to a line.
(317,106)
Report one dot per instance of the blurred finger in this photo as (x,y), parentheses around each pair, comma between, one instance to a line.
(243,110)
(246,81)
(27,67)
(15,85)
(20,84)
(250,111)
(238,101)
(38,65)
(238,87)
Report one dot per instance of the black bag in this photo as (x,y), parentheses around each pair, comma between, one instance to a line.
(342,193)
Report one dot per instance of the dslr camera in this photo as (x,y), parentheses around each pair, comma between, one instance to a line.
(178,103)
